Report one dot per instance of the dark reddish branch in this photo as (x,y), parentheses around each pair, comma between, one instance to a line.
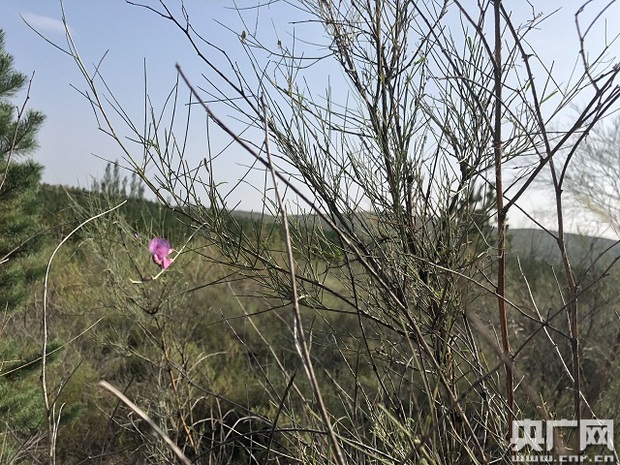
(501,211)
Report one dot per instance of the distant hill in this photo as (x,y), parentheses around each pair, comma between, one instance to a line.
(523,243)
(539,244)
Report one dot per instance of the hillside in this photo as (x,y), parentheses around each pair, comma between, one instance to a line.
(524,243)
(536,243)
(207,349)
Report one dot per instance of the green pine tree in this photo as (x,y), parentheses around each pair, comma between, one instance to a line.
(20,237)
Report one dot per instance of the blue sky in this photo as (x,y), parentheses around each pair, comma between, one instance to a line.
(72,149)
(129,35)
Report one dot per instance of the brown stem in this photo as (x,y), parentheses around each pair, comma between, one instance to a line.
(173,385)
(501,211)
(573,289)
(298,330)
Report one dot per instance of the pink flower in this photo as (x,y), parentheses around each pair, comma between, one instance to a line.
(160,249)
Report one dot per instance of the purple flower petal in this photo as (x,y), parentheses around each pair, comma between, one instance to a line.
(166,263)
(160,248)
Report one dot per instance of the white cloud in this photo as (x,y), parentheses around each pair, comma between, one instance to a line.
(44,23)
